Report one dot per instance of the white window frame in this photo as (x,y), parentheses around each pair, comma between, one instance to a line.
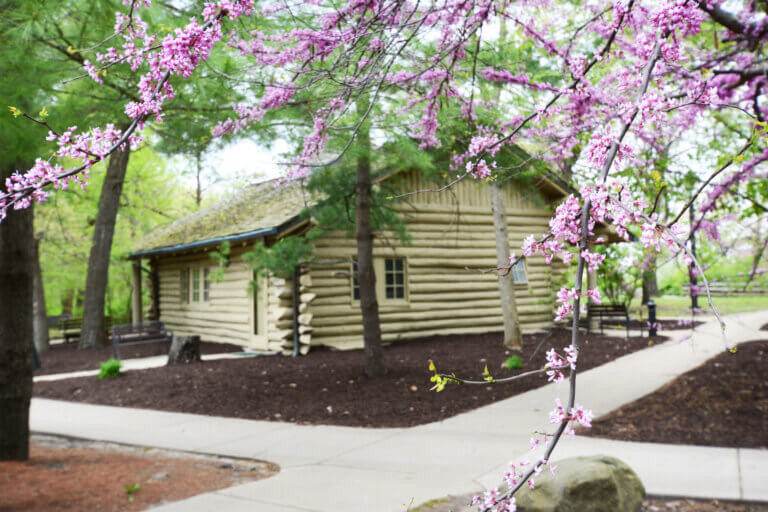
(195,279)
(518,268)
(379,268)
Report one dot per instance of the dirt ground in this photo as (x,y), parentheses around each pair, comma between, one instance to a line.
(724,402)
(71,475)
(66,357)
(650,504)
(328,387)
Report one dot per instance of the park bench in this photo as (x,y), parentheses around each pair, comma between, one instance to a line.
(54,321)
(139,334)
(71,327)
(605,313)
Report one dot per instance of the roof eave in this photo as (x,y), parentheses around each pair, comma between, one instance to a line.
(202,244)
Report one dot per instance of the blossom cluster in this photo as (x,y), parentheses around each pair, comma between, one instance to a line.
(557,363)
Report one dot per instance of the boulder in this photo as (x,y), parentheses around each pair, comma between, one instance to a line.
(184,349)
(584,484)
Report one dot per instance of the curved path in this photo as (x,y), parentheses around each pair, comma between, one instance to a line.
(345,469)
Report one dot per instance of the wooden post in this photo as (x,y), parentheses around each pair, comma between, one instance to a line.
(136,315)
(154,291)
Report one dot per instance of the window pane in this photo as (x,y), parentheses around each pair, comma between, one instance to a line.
(195,285)
(518,272)
(206,285)
(394,278)
(185,285)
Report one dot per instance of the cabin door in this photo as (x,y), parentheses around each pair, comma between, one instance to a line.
(258,310)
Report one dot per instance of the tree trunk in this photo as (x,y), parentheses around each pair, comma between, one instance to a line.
(38,305)
(199,187)
(94,328)
(512,334)
(369,305)
(16,330)
(650,284)
(184,350)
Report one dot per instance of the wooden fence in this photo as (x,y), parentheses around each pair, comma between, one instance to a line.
(725,289)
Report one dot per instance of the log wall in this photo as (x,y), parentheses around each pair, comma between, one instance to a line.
(452,241)
(225,318)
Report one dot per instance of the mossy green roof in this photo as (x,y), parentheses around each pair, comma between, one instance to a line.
(258,206)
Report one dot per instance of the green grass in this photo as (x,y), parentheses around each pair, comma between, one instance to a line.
(677,305)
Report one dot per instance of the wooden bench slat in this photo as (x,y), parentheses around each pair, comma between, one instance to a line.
(129,334)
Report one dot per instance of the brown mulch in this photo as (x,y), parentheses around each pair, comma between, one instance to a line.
(724,402)
(64,475)
(650,504)
(66,357)
(328,387)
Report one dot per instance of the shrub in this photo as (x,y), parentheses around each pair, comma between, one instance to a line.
(110,368)
(513,363)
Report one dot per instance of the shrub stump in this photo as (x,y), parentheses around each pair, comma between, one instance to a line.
(184,350)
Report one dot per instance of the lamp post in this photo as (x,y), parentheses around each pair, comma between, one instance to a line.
(652,326)
(691,271)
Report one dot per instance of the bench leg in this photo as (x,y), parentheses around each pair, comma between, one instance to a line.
(115,349)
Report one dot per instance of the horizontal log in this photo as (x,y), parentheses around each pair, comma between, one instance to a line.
(395,317)
(357,328)
(477,210)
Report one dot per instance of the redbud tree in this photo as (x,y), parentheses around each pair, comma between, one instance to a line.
(612,79)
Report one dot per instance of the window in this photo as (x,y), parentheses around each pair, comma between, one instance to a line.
(206,284)
(394,278)
(518,272)
(391,282)
(185,286)
(195,285)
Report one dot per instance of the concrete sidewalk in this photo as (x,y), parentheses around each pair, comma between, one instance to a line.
(338,469)
(143,363)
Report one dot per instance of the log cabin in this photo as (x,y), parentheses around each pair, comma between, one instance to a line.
(430,286)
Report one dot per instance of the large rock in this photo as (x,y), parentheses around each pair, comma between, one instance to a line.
(584,484)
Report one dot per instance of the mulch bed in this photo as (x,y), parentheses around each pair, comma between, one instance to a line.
(63,474)
(724,402)
(66,357)
(328,387)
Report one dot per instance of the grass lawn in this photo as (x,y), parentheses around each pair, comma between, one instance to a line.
(678,305)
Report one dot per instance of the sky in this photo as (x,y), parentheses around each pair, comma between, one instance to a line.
(234,166)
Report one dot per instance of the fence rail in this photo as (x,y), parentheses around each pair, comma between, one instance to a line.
(722,289)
